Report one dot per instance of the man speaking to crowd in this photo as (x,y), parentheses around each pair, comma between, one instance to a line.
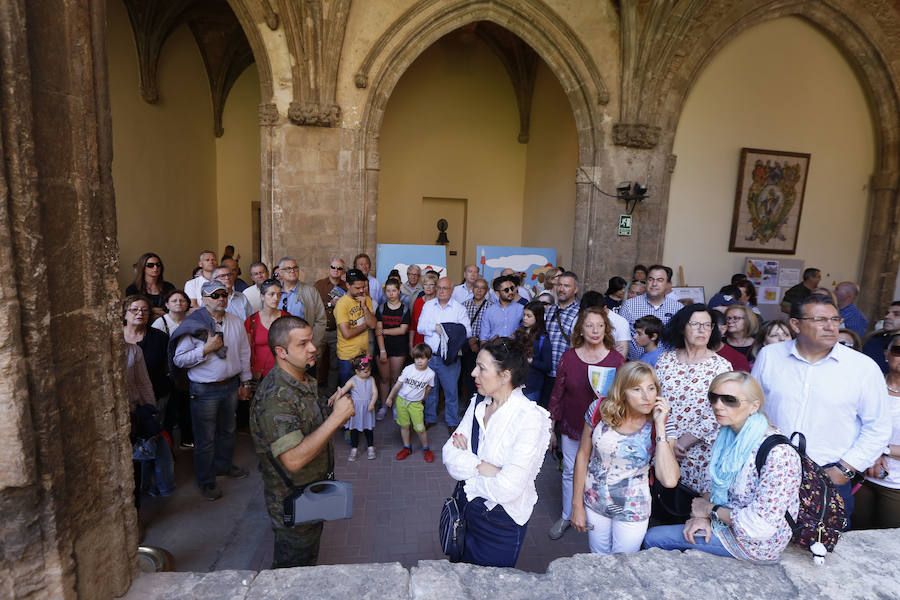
(288,426)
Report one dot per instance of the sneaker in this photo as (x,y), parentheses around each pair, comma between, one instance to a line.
(353,454)
(235,472)
(370,453)
(429,455)
(210,492)
(559,528)
(186,445)
(403,454)
(379,416)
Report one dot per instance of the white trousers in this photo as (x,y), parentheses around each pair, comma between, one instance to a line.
(569,450)
(611,537)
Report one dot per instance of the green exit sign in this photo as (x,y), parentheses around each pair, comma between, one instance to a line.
(624,224)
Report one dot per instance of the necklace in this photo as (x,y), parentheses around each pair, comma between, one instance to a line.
(890,389)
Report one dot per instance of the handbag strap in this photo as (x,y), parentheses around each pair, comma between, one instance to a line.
(559,324)
(476,429)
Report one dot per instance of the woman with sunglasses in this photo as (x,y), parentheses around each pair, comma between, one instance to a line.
(878,500)
(148,281)
(743,514)
(684,376)
(257,326)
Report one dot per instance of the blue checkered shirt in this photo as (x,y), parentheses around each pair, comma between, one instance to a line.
(638,307)
(558,343)
(472,308)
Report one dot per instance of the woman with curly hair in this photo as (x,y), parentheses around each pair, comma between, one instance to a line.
(622,435)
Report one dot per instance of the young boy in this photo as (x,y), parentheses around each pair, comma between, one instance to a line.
(646,335)
(411,388)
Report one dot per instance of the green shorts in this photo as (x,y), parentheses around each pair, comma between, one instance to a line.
(410,411)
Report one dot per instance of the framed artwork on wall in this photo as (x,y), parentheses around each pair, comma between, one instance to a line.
(769,201)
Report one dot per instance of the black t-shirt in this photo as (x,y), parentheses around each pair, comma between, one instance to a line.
(396,345)
(156,300)
(155,348)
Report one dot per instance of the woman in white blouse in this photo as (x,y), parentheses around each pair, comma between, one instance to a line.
(513,436)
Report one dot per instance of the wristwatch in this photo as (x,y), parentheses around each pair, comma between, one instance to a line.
(714,514)
(660,439)
(887,450)
(848,473)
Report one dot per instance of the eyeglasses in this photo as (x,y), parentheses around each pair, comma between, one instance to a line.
(700,325)
(337,268)
(820,321)
(290,268)
(733,319)
(151,265)
(894,350)
(218,295)
(726,399)
(444,287)
(849,344)
(139,311)
(507,289)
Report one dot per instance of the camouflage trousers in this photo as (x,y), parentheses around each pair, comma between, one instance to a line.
(297,546)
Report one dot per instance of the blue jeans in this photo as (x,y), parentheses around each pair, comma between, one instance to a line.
(671,537)
(162,468)
(447,377)
(493,539)
(345,371)
(846,493)
(213,414)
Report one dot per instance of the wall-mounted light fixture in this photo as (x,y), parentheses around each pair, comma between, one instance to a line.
(442,228)
(631,192)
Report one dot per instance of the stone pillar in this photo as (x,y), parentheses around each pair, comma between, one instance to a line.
(882,252)
(67,522)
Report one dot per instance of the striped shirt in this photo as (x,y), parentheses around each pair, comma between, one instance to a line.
(472,309)
(558,341)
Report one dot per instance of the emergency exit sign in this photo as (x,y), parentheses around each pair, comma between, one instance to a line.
(624,224)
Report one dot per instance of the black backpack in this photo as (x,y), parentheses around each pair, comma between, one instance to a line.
(822,517)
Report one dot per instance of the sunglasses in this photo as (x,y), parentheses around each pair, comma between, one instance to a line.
(507,289)
(151,265)
(337,268)
(218,295)
(726,399)
(894,350)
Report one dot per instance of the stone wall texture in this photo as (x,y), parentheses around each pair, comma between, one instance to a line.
(646,575)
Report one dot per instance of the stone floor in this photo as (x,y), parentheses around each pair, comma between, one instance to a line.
(395,513)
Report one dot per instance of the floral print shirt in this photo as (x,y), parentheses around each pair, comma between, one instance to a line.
(685,387)
(759,532)
(617,484)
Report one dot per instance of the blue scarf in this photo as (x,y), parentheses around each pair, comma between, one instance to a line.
(730,452)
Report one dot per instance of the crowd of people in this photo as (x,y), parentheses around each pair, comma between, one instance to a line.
(665,457)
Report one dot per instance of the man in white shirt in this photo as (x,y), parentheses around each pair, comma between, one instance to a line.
(832,394)
(237,303)
(208,264)
(463,291)
(436,311)
(259,272)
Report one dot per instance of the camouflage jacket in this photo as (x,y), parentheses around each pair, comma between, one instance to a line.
(283,412)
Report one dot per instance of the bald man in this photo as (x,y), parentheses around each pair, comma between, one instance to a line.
(846,293)
(463,291)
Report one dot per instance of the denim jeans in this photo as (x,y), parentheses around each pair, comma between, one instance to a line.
(213,414)
(493,539)
(447,377)
(161,469)
(846,493)
(345,371)
(671,537)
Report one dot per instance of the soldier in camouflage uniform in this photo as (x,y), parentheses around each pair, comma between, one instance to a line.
(286,420)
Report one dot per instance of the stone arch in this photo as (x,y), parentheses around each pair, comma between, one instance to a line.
(535,24)
(249,23)
(859,37)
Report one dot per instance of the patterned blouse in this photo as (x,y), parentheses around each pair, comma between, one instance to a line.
(759,532)
(685,387)
(617,484)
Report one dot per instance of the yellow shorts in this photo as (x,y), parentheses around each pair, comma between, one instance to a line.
(410,412)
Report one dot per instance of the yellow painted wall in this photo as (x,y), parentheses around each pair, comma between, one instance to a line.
(164,161)
(237,167)
(781,85)
(450,130)
(549,205)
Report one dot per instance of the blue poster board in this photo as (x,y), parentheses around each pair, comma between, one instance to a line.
(400,256)
(492,260)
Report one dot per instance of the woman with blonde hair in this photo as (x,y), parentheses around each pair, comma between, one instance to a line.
(611,489)
(744,514)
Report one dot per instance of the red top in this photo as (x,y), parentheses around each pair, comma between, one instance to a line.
(261,358)
(738,361)
(414,320)
(572,392)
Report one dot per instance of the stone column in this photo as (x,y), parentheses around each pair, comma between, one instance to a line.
(67,521)
(882,252)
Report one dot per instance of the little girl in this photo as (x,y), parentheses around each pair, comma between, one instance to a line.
(392,339)
(364,393)
(533,336)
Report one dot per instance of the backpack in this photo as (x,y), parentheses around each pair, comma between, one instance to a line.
(822,517)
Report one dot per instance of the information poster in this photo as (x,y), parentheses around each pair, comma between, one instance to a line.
(601,379)
(768,295)
(789,278)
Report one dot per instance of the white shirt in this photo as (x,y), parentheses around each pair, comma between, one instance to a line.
(413,383)
(461,293)
(211,368)
(433,313)
(239,306)
(620,329)
(194,287)
(514,440)
(254,298)
(838,403)
(166,324)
